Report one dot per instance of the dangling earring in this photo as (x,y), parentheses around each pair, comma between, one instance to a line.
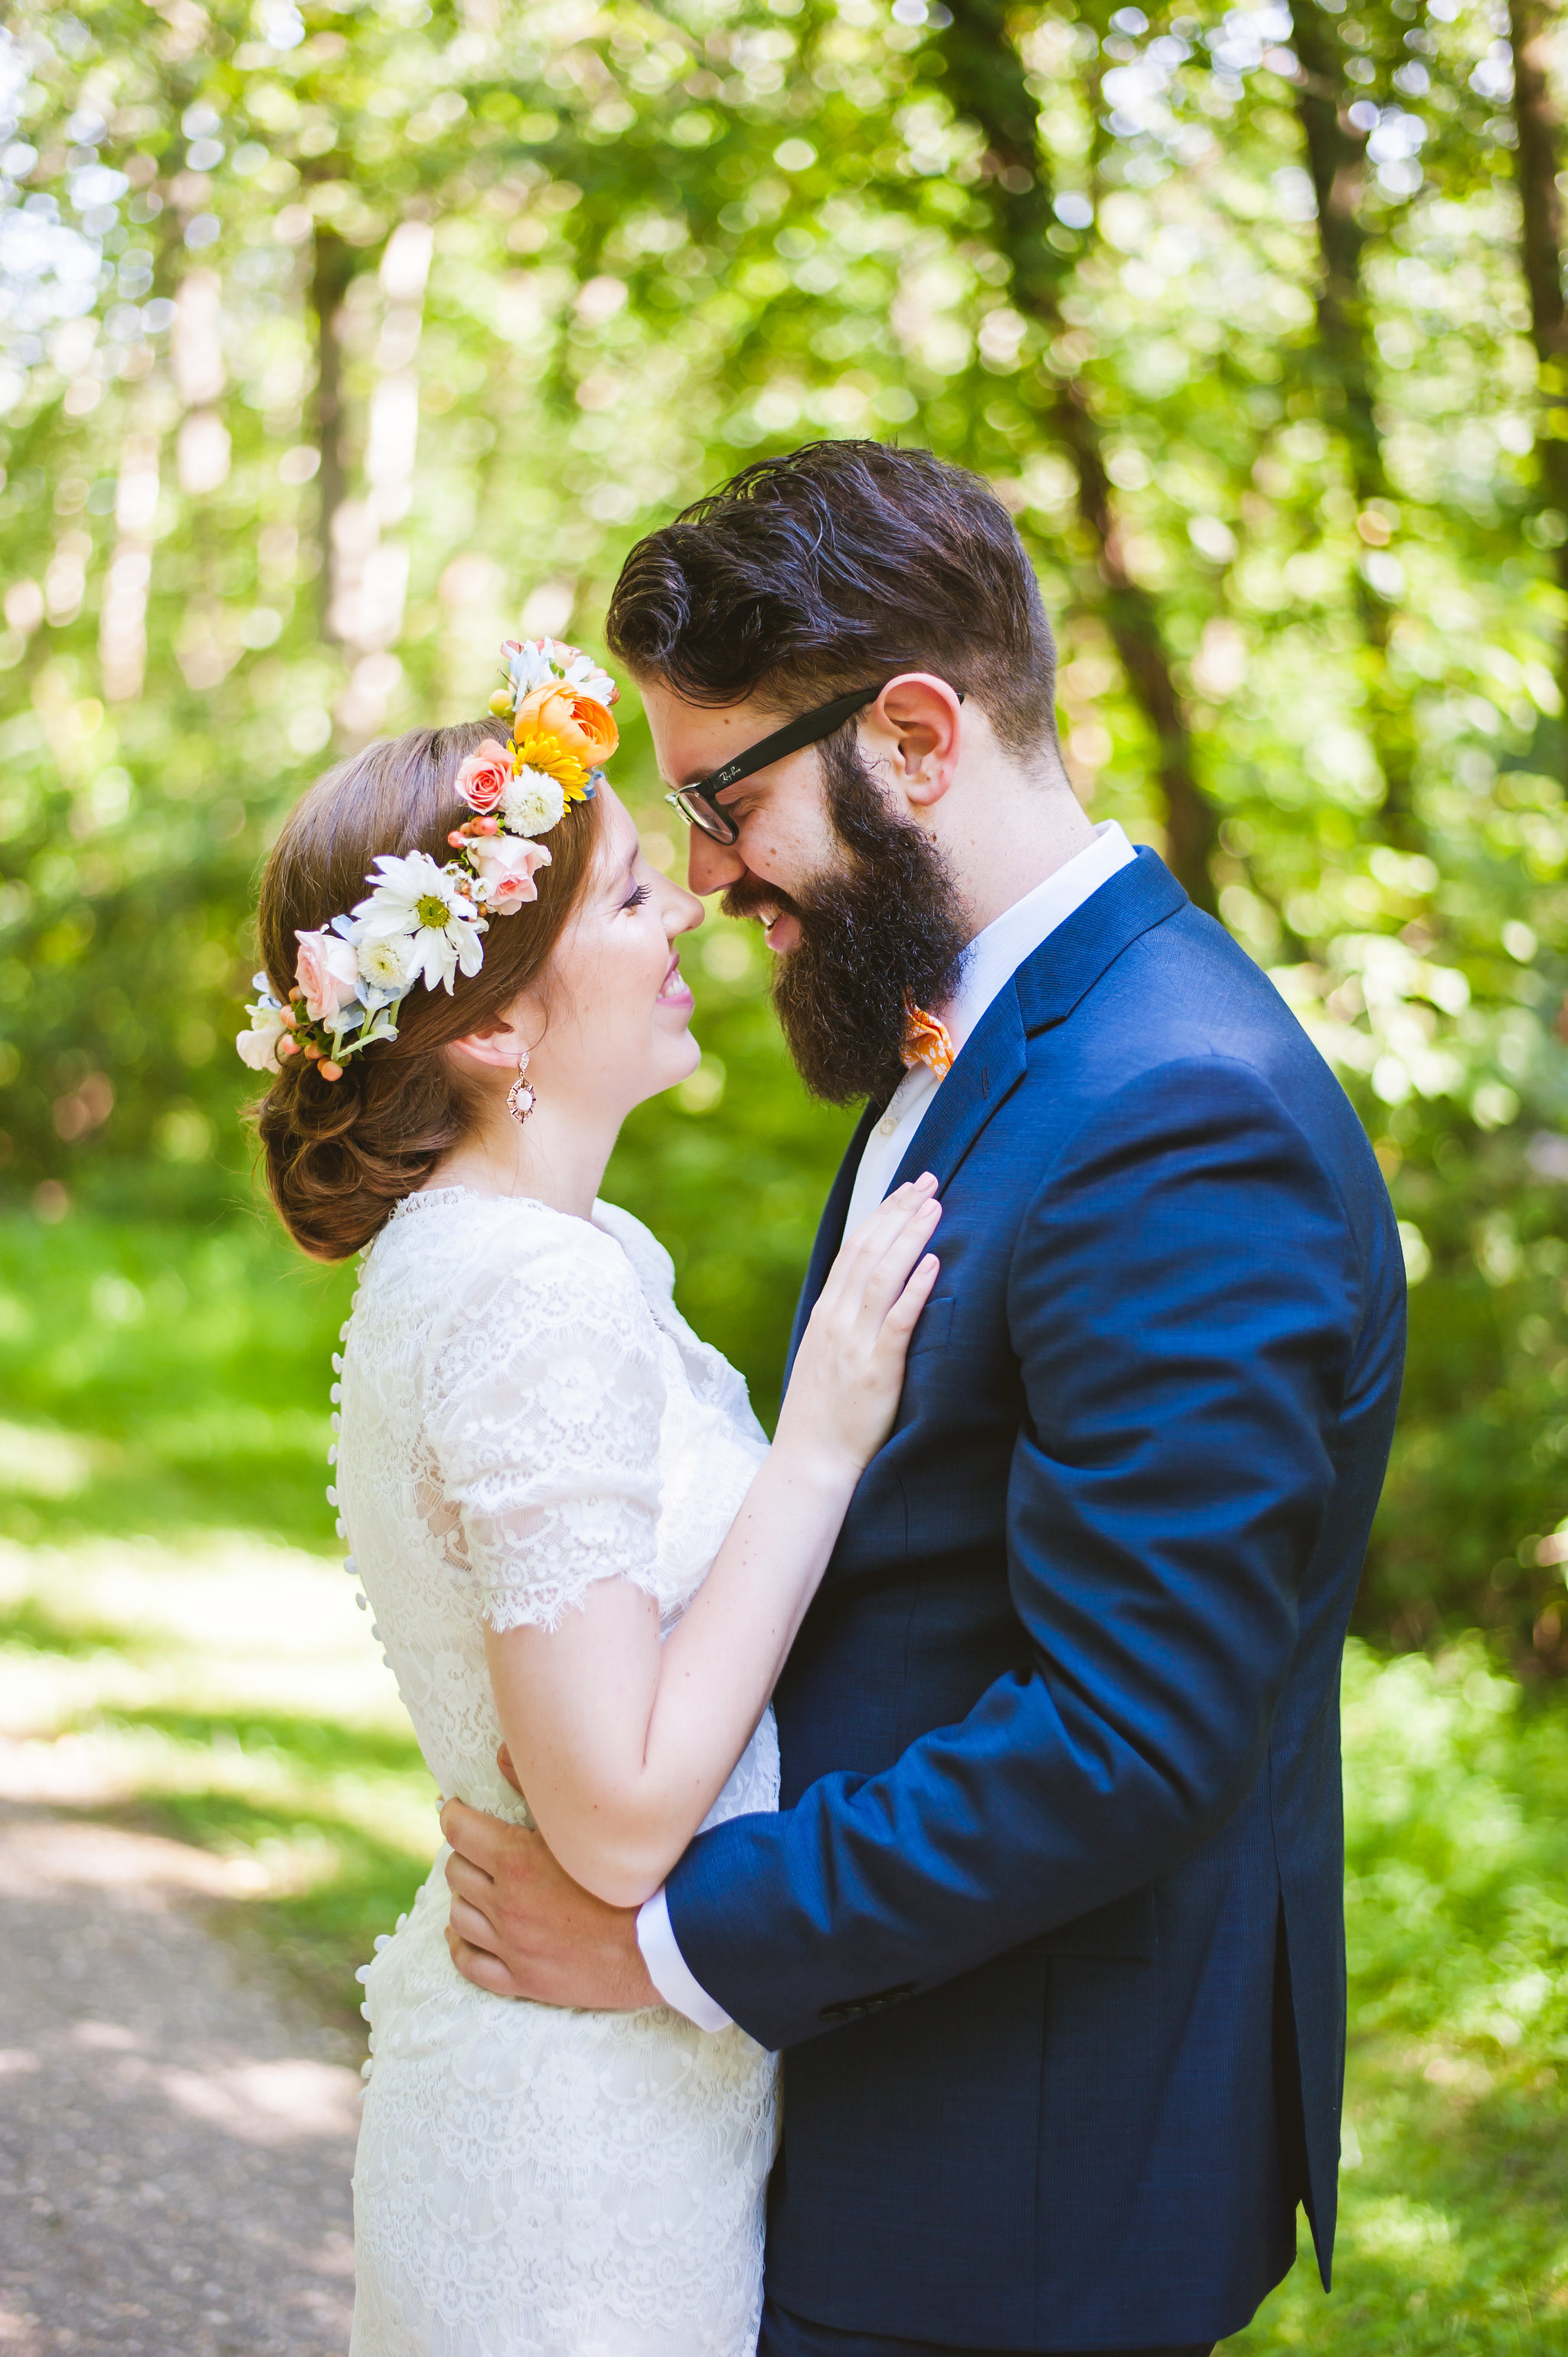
(519,1097)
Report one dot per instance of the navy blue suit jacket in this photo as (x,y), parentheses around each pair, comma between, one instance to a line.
(1051,1920)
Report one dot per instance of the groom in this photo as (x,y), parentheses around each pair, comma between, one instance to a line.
(1050,1924)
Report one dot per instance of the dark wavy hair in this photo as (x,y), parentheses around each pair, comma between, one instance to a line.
(807,576)
(339,1155)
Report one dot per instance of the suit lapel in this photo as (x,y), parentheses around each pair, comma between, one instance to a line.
(1069,962)
(994,1058)
(1044,991)
(986,1070)
(829,1229)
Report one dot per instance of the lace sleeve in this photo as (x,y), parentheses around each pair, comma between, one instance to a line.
(543,1412)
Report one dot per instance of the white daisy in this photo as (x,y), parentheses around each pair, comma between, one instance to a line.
(420,905)
(533,803)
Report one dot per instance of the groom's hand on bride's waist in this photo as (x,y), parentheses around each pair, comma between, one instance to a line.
(522,1927)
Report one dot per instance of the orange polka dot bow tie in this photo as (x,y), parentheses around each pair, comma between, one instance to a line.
(925,1041)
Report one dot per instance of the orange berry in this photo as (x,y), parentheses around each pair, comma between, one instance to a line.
(329,1071)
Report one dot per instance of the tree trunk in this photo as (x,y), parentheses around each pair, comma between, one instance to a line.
(1191,824)
(1336,160)
(986,81)
(333,268)
(1538,159)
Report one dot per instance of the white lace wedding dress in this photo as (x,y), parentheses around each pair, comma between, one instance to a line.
(524,1412)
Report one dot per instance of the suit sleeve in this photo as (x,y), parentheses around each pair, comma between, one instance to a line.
(1183,1305)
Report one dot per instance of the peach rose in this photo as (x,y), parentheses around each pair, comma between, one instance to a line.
(485,777)
(579,723)
(506,864)
(327,971)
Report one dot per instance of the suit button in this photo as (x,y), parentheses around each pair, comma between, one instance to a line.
(887,1124)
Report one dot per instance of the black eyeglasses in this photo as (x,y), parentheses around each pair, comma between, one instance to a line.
(698,805)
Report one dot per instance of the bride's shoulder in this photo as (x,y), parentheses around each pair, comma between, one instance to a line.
(654,1269)
(477,1287)
(465,1243)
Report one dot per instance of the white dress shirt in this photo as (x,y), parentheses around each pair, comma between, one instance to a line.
(991,961)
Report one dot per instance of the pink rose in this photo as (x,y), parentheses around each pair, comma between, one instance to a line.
(327,971)
(485,777)
(505,863)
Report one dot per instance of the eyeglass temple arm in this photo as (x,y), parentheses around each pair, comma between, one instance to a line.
(808,729)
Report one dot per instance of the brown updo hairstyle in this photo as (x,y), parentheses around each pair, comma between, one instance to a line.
(339,1155)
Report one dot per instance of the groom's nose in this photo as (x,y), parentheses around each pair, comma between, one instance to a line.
(712,866)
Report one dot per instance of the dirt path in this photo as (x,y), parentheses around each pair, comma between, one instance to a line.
(176,2138)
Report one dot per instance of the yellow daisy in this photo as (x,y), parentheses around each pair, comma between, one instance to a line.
(542,751)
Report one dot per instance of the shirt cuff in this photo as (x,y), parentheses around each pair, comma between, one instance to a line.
(668,1968)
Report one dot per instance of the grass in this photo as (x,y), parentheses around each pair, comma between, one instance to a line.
(1453,2231)
(157,1379)
(208,1676)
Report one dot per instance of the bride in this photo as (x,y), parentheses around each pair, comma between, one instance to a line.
(571,1527)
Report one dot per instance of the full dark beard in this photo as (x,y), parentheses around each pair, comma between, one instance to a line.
(886,930)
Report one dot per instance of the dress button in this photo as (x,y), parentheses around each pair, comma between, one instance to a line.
(888,1124)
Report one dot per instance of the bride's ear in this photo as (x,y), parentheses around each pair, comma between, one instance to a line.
(502,1048)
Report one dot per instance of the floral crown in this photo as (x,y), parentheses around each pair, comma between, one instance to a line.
(422,920)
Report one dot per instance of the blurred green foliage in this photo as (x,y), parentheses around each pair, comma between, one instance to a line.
(339,339)
(1451,2212)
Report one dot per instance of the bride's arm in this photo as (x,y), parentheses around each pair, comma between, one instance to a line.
(623,1744)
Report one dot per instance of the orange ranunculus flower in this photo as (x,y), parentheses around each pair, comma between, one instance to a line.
(579,723)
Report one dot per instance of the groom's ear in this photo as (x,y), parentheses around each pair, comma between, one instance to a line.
(916,725)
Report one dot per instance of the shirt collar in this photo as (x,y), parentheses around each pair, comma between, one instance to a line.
(996,955)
